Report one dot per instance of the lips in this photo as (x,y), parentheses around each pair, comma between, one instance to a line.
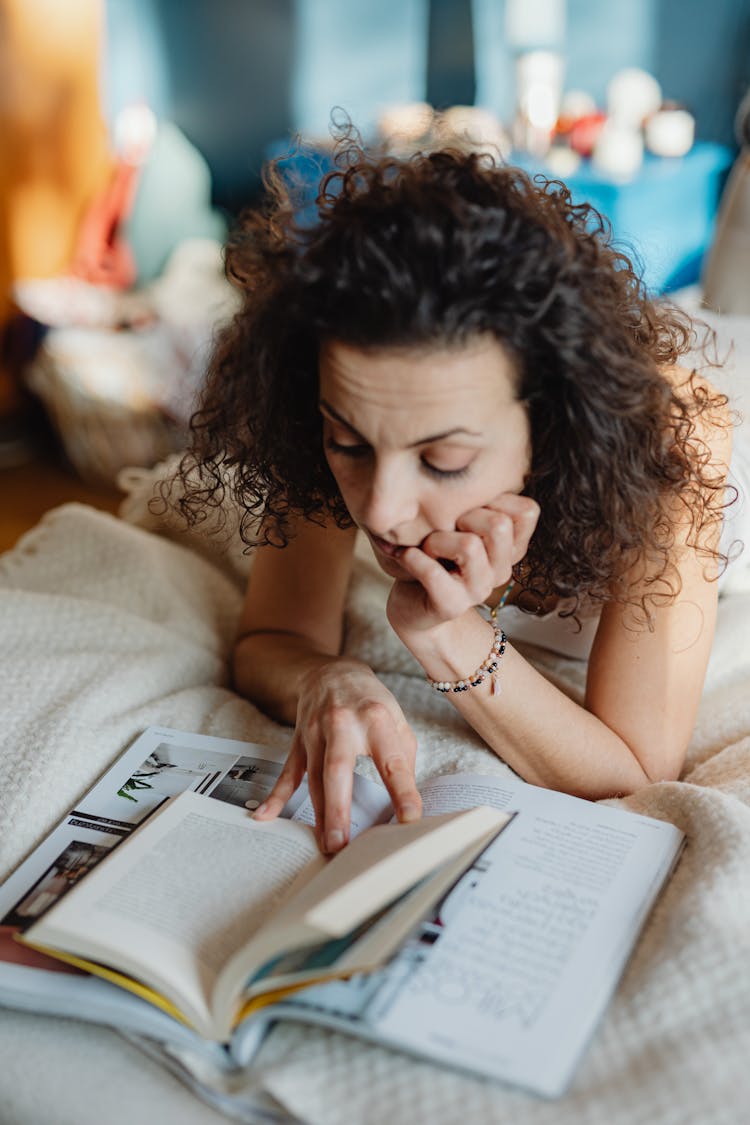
(394,551)
(391,550)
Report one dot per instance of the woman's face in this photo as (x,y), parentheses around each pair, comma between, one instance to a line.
(418,437)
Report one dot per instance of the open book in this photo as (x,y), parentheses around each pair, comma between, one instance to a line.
(205,910)
(483,940)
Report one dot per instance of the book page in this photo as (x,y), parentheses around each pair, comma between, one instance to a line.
(371,804)
(160,764)
(378,868)
(188,889)
(449,792)
(515,969)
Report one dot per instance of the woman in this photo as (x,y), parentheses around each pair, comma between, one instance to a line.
(457,362)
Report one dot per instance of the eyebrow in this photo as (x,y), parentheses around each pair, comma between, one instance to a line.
(412,445)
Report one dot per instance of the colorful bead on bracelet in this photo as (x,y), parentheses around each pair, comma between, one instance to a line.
(488,667)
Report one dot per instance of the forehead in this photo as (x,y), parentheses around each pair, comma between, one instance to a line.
(470,379)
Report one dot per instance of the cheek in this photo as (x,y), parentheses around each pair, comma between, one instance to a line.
(445,505)
(509,467)
(350,479)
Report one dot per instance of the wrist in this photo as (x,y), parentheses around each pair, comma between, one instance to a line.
(455,648)
(321,665)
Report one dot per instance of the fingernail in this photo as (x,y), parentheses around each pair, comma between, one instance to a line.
(334,840)
(409,812)
(263,807)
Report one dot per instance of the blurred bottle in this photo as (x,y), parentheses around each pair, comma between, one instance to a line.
(535,32)
(539,79)
(726,277)
(102,254)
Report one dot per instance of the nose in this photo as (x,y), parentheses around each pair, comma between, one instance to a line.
(392,502)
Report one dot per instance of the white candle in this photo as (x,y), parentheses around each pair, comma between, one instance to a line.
(534,23)
(670,132)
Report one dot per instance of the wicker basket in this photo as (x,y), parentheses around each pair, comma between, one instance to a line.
(102,391)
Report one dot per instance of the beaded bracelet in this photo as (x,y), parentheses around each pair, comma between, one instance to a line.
(487,668)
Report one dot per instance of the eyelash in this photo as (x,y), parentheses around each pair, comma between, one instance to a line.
(358,451)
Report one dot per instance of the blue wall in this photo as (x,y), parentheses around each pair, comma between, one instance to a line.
(358,54)
(222,71)
(703,54)
(236,74)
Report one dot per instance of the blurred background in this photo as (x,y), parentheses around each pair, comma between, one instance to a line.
(134,132)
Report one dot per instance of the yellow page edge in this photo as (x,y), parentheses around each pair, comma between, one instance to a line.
(256,1003)
(113,976)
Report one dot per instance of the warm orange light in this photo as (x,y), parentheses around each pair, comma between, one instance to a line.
(56,152)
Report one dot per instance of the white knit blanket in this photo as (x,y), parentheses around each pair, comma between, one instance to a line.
(108,625)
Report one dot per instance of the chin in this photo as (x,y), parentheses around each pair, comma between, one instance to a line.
(392,567)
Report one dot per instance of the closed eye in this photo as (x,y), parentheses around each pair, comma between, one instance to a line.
(450,474)
(354,450)
(360,450)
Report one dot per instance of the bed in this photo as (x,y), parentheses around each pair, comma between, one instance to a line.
(111,624)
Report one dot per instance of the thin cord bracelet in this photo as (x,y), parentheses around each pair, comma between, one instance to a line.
(503,600)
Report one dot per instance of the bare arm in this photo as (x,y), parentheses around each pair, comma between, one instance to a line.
(641,698)
(288,660)
(293,617)
(643,687)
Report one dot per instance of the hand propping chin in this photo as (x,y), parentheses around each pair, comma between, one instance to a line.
(455,570)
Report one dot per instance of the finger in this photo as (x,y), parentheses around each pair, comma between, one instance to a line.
(289,780)
(393,751)
(315,785)
(338,780)
(523,512)
(497,533)
(471,564)
(518,507)
(444,591)
(344,739)
(331,783)
(464,549)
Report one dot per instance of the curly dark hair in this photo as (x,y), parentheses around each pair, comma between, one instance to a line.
(434,250)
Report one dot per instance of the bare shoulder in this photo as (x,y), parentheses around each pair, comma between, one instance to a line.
(709,411)
(646,683)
